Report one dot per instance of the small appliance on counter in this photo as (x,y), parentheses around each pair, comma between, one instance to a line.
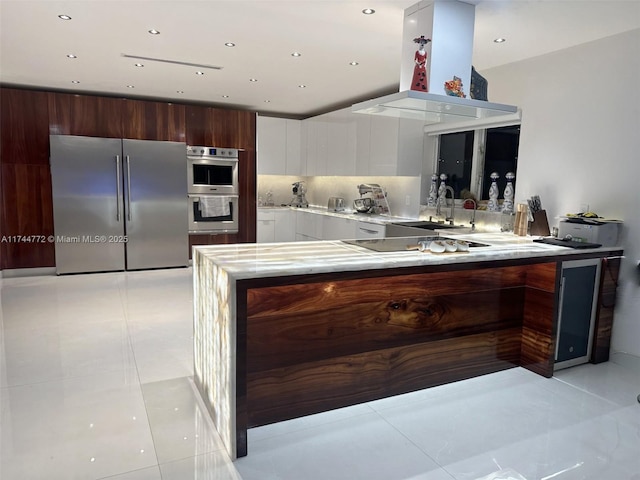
(590,230)
(335,204)
(377,203)
(299,199)
(363,205)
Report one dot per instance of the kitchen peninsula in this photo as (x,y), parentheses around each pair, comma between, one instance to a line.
(290,329)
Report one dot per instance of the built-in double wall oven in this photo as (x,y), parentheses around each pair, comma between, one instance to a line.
(212,176)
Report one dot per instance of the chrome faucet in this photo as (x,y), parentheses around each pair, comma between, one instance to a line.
(443,198)
(473,215)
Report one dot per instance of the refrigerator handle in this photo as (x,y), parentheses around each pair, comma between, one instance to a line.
(118,195)
(128,189)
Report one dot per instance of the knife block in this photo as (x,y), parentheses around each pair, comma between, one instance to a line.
(540,225)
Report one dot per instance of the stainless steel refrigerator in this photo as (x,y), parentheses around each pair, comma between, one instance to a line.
(118,204)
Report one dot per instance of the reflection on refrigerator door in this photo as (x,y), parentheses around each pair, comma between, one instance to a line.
(118,204)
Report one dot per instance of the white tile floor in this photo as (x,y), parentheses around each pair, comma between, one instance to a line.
(96,383)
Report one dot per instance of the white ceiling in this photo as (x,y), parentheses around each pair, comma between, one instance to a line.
(328,33)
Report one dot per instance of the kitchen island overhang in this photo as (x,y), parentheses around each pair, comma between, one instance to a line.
(286,330)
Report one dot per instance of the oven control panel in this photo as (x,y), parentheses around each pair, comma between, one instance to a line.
(212,152)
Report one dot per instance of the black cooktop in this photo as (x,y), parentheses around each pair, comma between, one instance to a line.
(398,244)
(395,244)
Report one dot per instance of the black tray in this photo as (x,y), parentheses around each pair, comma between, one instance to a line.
(567,243)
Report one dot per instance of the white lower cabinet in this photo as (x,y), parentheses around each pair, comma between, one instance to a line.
(265,226)
(308,226)
(338,228)
(366,230)
(275,225)
(284,225)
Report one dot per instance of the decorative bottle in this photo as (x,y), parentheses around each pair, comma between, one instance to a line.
(507,204)
(433,191)
(493,204)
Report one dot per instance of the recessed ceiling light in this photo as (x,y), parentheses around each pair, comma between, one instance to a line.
(75,81)
(199,73)
(71,55)
(296,54)
(368,11)
(230,44)
(130,86)
(179,91)
(500,40)
(153,31)
(253,79)
(138,65)
(267,101)
(353,64)
(302,86)
(64,17)
(225,96)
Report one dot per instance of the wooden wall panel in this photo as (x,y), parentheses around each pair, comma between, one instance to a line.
(143,120)
(93,116)
(24,127)
(27,210)
(197,126)
(290,392)
(284,339)
(247,202)
(59,113)
(543,276)
(539,331)
(606,305)
(305,298)
(233,128)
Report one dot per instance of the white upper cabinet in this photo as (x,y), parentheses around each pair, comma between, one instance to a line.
(279,146)
(340,143)
(295,163)
(395,147)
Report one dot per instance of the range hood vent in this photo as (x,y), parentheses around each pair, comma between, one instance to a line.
(434,108)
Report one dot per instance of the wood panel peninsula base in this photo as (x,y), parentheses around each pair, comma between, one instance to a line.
(286,330)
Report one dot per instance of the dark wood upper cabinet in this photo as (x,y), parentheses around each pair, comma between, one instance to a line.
(197,126)
(143,120)
(217,127)
(233,128)
(96,116)
(59,113)
(24,127)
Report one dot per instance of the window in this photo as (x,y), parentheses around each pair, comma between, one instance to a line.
(470,157)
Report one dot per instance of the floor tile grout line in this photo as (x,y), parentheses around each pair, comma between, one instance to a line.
(416,445)
(122,289)
(592,394)
(311,427)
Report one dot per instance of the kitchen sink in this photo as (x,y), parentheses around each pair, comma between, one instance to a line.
(418,227)
(425,224)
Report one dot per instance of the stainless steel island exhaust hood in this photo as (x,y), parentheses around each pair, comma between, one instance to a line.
(434,108)
(443,31)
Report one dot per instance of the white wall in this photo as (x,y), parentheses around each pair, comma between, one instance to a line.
(580,144)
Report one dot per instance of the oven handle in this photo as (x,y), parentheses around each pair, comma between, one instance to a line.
(196,196)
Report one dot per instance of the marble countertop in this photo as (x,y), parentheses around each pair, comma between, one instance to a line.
(347,213)
(249,260)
